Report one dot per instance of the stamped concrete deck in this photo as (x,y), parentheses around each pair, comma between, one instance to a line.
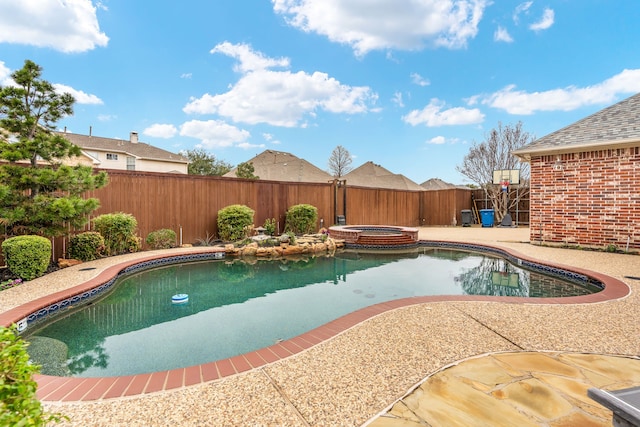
(369,372)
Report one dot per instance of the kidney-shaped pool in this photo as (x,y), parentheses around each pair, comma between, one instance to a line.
(230,308)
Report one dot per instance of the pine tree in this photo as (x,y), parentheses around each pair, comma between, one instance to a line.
(39,195)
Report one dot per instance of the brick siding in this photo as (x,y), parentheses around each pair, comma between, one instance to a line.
(590,199)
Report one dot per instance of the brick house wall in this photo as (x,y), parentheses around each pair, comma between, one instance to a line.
(589,199)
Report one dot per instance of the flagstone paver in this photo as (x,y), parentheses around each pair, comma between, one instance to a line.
(539,389)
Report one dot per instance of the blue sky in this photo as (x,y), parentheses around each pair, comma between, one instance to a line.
(407,84)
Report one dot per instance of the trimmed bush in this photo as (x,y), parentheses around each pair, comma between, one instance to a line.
(301,219)
(162,239)
(27,256)
(119,232)
(234,222)
(86,246)
(18,403)
(270,226)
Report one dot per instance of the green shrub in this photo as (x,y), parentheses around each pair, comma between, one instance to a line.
(234,222)
(133,243)
(162,239)
(302,219)
(27,256)
(118,230)
(86,246)
(270,226)
(611,248)
(18,403)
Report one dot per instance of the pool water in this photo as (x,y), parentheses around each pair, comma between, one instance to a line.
(237,307)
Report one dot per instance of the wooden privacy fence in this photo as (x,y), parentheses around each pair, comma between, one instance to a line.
(191,202)
(188,204)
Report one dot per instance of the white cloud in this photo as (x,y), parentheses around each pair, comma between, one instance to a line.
(434,115)
(419,80)
(473,100)
(214,133)
(248,59)
(159,130)
(397,99)
(5,75)
(545,22)
(438,140)
(279,98)
(68,26)
(106,117)
(502,35)
(186,75)
(80,96)
(521,8)
(386,24)
(269,138)
(247,146)
(570,98)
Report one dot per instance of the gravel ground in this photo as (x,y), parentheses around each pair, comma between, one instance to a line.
(354,376)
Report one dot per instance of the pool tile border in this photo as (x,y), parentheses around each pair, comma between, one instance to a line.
(70,389)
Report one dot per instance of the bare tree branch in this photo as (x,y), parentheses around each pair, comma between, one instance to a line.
(494,153)
(340,162)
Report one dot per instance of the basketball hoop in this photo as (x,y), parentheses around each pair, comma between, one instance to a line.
(504,185)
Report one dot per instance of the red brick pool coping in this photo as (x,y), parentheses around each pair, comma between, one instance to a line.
(70,389)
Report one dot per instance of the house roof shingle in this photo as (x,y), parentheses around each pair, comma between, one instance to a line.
(141,150)
(614,126)
(372,175)
(438,184)
(280,166)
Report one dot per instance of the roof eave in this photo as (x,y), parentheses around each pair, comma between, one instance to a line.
(526,154)
(155,159)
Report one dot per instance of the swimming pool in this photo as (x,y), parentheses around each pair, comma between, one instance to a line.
(236,307)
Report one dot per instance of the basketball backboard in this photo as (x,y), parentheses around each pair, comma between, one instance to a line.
(510,175)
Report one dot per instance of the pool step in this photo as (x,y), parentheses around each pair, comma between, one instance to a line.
(385,240)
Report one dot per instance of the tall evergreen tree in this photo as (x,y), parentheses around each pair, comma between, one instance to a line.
(39,195)
(246,170)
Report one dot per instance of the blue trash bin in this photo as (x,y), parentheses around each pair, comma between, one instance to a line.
(486,217)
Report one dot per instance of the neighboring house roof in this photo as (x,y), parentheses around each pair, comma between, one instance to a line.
(373,175)
(616,126)
(438,184)
(280,166)
(140,150)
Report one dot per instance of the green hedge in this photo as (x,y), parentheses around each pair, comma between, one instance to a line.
(234,222)
(301,219)
(119,232)
(162,239)
(86,246)
(27,256)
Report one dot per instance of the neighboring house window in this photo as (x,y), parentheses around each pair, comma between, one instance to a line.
(111,156)
(131,163)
